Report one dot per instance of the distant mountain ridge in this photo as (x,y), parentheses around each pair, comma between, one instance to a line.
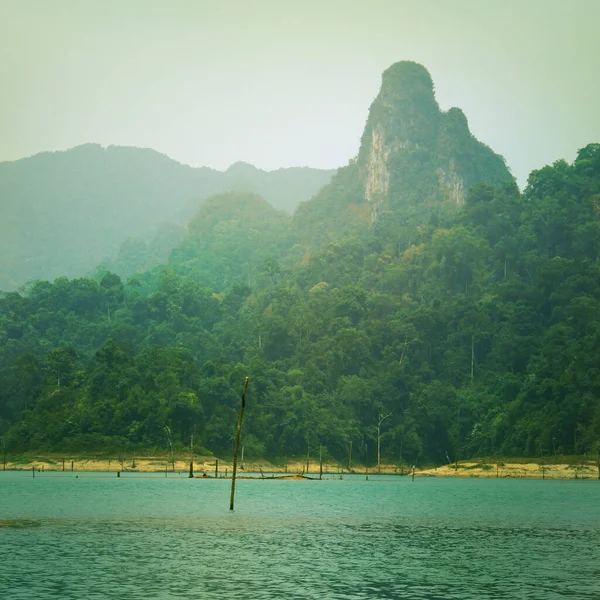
(62,213)
(282,188)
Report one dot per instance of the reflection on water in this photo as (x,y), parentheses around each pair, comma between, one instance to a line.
(388,538)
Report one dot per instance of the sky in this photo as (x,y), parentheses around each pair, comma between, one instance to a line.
(280,83)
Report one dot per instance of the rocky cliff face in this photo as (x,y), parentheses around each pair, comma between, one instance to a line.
(414,154)
(414,160)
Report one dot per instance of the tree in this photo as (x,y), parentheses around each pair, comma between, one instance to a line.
(61,363)
(380,420)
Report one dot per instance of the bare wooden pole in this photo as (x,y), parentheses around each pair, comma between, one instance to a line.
(216,468)
(307,455)
(350,458)
(380,420)
(237,444)
(170,441)
(191,475)
(320,463)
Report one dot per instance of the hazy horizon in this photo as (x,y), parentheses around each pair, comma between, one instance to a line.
(281,85)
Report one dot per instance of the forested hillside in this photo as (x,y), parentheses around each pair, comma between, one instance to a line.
(63,213)
(476,335)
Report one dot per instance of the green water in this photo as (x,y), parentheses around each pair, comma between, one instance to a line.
(141,538)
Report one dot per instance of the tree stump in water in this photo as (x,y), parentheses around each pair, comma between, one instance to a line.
(237,444)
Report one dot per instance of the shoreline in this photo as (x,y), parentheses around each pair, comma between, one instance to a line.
(516,470)
(205,467)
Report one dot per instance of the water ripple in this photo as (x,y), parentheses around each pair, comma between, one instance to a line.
(441,540)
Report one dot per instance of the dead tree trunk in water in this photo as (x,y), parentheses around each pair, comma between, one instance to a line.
(170,442)
(237,444)
(350,458)
(320,463)
(191,457)
(307,455)
(382,418)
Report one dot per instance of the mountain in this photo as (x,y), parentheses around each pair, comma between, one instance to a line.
(482,340)
(62,213)
(283,188)
(414,160)
(233,236)
(420,285)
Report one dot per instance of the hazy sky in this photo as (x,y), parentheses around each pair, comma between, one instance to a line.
(283,83)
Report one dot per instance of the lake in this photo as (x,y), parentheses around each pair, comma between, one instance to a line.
(141,537)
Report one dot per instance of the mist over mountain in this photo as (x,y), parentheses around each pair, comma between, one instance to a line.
(62,213)
(283,188)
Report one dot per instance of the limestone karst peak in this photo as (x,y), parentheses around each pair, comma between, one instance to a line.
(406,78)
(412,152)
(405,111)
(414,160)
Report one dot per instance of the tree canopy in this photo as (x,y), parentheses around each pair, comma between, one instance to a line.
(480,335)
